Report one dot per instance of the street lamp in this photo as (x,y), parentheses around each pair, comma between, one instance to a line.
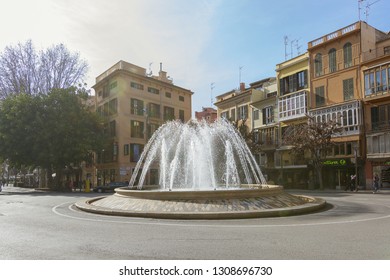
(356,167)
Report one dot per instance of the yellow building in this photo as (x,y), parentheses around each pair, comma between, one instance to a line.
(293,79)
(134,104)
(235,106)
(265,123)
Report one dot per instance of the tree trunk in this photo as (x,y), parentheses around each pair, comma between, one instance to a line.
(319,176)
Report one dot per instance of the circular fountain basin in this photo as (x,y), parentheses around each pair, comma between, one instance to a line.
(249,201)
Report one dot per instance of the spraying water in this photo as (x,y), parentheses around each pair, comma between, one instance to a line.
(198,156)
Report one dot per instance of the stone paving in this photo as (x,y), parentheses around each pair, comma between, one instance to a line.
(202,205)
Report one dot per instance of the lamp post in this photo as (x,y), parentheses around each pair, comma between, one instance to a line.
(356,167)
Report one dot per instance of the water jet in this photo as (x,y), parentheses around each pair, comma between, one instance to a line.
(206,171)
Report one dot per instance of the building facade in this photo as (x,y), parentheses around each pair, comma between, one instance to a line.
(208,114)
(235,106)
(265,123)
(335,69)
(293,79)
(376,101)
(134,105)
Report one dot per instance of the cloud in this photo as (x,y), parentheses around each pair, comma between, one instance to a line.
(174,32)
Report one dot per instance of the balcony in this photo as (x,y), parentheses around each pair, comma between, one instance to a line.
(379,126)
(334,35)
(293,106)
(378,145)
(375,53)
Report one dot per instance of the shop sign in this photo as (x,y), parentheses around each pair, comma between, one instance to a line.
(335,162)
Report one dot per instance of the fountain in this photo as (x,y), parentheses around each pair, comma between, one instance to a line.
(206,171)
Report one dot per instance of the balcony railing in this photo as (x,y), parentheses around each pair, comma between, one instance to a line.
(376,53)
(380,126)
(334,35)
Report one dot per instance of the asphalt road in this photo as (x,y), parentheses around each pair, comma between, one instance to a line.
(46,225)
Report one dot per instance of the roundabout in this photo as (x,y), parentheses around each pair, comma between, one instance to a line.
(248,202)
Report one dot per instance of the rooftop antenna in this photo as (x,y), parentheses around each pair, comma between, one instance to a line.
(211,92)
(150,72)
(360,7)
(298,46)
(291,45)
(239,74)
(368,6)
(285,47)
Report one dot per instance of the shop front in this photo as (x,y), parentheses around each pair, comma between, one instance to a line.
(337,172)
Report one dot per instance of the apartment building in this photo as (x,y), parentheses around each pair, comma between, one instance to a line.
(265,123)
(376,101)
(293,80)
(208,114)
(134,104)
(234,105)
(335,69)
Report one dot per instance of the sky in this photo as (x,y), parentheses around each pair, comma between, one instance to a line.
(208,47)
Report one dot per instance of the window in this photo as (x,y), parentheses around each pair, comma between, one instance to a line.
(348,89)
(169,113)
(106,108)
(137,86)
(256,114)
(380,117)
(152,128)
(106,91)
(384,84)
(268,115)
(292,106)
(153,90)
(293,82)
(126,149)
(181,115)
(113,85)
(320,96)
(378,80)
(113,128)
(386,50)
(332,61)
(135,152)
(137,107)
(100,111)
(137,129)
(318,65)
(225,115)
(369,84)
(302,79)
(154,110)
(113,107)
(181,98)
(168,94)
(243,112)
(233,114)
(154,176)
(347,49)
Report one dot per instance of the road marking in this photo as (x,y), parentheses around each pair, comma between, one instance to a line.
(200,223)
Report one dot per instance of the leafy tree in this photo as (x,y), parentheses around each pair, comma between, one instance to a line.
(51,131)
(24,70)
(314,137)
(249,136)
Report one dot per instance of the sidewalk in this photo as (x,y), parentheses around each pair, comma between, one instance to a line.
(11,189)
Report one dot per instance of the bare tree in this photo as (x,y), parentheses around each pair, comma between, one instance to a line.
(18,70)
(314,137)
(23,70)
(60,69)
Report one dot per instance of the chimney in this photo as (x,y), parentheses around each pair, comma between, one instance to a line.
(242,86)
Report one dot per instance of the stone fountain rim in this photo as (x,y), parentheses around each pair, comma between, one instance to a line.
(246,191)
